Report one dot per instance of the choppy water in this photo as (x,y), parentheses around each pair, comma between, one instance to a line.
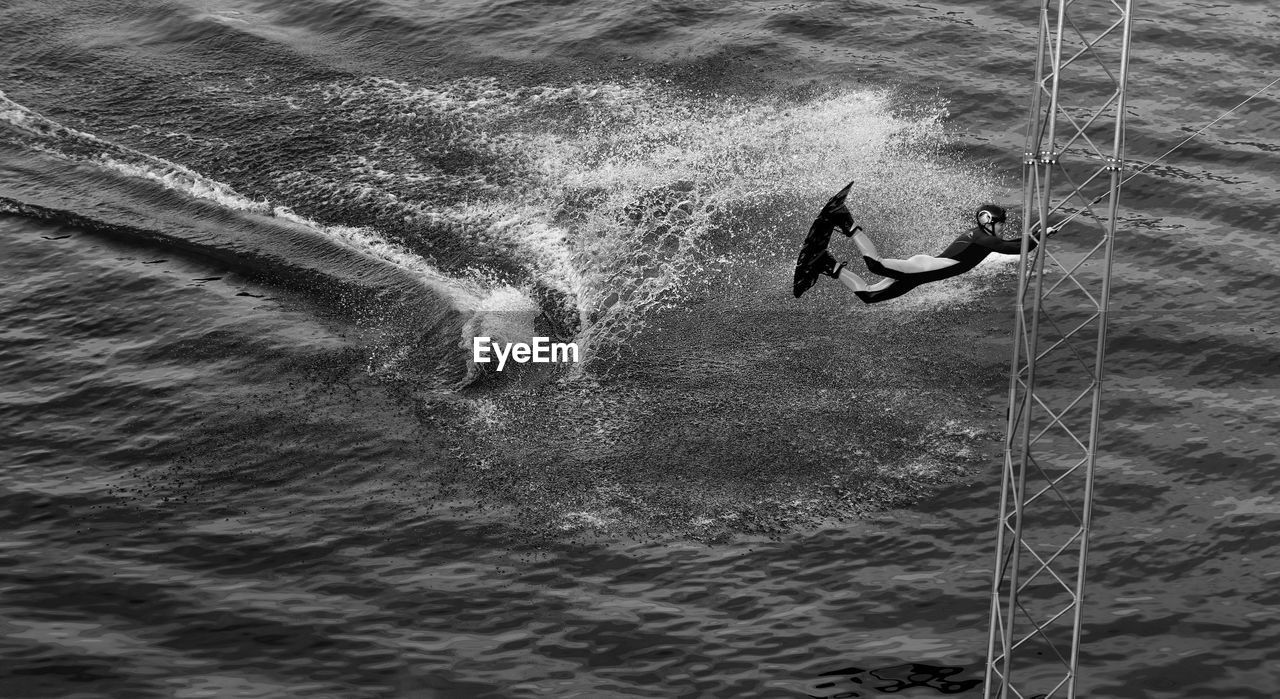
(247,243)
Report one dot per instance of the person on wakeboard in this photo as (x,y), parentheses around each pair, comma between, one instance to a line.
(902,276)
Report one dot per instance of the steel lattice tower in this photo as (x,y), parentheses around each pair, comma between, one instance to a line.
(1072,169)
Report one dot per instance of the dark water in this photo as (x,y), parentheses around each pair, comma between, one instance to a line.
(247,244)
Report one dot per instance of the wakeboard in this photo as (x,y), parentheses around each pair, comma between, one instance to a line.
(809,263)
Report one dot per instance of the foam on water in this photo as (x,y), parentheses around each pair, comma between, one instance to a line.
(627,198)
(51,137)
(600,205)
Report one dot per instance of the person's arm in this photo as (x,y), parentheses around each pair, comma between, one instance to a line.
(1012,247)
(1007,247)
(993,243)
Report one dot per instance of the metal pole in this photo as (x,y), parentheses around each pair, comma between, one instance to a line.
(1116,166)
(1042,183)
(1030,158)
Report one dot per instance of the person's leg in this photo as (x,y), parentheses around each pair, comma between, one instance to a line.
(903,269)
(919,263)
(856,283)
(865,246)
(885,290)
(887,267)
(882,290)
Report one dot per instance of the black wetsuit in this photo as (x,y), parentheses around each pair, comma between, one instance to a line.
(967,250)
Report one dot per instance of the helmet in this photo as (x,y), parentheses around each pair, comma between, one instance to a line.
(995,214)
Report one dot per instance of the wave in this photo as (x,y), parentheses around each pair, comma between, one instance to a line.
(581,211)
(124,195)
(43,134)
